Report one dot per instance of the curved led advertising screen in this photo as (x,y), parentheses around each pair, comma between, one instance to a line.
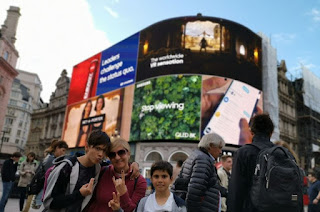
(175,80)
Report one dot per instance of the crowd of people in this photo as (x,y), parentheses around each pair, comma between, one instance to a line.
(80,183)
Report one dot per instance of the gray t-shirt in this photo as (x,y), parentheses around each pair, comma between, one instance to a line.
(85,174)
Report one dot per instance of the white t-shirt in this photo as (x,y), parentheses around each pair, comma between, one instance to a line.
(152,205)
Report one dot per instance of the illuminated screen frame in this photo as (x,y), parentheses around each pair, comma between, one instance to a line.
(154,73)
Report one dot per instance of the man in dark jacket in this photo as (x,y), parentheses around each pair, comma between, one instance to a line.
(8,172)
(203,188)
(244,164)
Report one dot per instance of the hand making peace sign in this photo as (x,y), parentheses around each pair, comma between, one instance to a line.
(114,204)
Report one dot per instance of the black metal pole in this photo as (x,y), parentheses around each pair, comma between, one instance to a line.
(3,133)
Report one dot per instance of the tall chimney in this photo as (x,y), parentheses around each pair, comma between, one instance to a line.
(9,28)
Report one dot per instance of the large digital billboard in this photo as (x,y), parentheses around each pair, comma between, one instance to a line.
(175,80)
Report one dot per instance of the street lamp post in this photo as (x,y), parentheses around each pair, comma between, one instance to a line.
(3,134)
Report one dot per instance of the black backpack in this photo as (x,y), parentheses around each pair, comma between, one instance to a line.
(180,185)
(37,181)
(276,182)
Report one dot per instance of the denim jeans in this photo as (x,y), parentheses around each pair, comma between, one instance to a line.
(38,198)
(6,190)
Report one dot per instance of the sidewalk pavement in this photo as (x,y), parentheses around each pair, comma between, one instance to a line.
(13,205)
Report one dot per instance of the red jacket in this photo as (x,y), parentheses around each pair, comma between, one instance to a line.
(105,187)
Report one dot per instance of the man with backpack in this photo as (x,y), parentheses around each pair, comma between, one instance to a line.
(72,181)
(264,176)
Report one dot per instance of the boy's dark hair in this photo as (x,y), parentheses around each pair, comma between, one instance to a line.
(16,155)
(179,163)
(60,144)
(262,123)
(98,137)
(162,166)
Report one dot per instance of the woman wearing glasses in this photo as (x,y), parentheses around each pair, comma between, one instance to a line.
(115,186)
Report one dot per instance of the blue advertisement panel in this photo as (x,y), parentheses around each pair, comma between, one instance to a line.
(118,65)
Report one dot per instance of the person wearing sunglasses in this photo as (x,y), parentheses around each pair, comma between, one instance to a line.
(115,183)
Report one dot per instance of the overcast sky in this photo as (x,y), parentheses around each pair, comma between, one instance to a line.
(57,34)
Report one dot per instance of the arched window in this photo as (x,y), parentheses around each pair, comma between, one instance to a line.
(178,156)
(153,156)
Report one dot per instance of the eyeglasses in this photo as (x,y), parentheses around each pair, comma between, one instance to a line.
(121,153)
(99,149)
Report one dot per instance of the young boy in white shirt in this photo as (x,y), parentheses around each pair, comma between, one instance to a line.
(162,199)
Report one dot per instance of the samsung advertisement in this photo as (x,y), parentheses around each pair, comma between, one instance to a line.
(176,80)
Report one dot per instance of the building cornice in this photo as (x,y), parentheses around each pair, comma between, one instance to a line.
(10,44)
(10,70)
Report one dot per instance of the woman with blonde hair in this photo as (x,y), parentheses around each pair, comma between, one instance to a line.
(115,181)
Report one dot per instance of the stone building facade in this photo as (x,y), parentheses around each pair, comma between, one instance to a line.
(308,123)
(32,81)
(8,60)
(47,121)
(287,108)
(17,119)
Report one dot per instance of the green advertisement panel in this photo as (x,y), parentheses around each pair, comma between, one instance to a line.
(166,108)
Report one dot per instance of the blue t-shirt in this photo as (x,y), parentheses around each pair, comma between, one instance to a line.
(313,190)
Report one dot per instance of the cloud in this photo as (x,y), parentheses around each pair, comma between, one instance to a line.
(111,12)
(283,37)
(53,36)
(303,62)
(315,13)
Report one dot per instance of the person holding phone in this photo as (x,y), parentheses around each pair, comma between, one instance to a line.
(26,172)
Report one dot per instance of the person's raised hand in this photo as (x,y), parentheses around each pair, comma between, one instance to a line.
(87,189)
(120,184)
(134,168)
(245,132)
(114,204)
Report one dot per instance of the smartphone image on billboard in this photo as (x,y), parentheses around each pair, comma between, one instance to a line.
(238,102)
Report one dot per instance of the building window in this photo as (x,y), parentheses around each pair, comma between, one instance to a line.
(17,141)
(7,130)
(13,102)
(6,55)
(20,123)
(154,156)
(18,132)
(5,139)
(9,121)
(15,94)
(11,112)
(178,156)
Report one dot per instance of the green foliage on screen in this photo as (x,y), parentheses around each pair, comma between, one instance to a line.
(167,107)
